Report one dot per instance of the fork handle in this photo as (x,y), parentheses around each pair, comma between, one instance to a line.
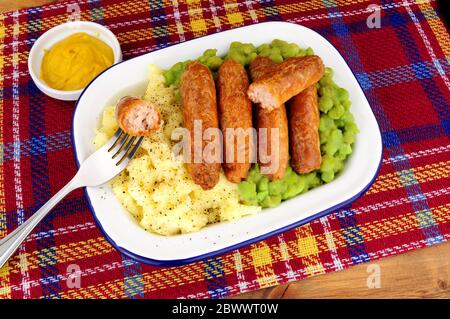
(10,243)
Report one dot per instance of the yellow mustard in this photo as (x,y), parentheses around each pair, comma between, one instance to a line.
(73,62)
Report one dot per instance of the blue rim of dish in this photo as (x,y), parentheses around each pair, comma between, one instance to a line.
(180,262)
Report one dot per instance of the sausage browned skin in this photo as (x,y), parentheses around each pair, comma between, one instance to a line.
(198,98)
(235,116)
(288,79)
(268,119)
(137,117)
(304,131)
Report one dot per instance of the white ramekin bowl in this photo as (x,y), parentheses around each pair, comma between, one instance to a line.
(56,34)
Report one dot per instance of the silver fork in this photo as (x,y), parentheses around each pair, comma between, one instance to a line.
(97,169)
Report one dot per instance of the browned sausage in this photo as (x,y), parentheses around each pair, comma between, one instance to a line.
(288,79)
(260,67)
(137,117)
(198,98)
(235,113)
(304,131)
(268,119)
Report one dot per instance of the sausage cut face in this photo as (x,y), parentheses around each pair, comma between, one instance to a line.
(137,117)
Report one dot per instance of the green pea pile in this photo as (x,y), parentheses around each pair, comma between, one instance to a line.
(243,53)
(337,132)
(173,75)
(258,190)
(337,127)
(280,50)
(209,58)
(277,50)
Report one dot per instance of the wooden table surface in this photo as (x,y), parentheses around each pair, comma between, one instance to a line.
(424,273)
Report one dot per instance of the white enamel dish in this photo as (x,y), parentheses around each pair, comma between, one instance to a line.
(130,77)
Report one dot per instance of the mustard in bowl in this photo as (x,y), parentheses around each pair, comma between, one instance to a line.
(66,58)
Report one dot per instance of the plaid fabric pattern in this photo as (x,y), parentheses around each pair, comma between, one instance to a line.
(403,68)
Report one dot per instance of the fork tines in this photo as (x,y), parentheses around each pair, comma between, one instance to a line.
(124,146)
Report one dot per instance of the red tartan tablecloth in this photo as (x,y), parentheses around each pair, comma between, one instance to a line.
(403,68)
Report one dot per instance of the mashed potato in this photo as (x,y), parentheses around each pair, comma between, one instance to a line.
(156,187)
